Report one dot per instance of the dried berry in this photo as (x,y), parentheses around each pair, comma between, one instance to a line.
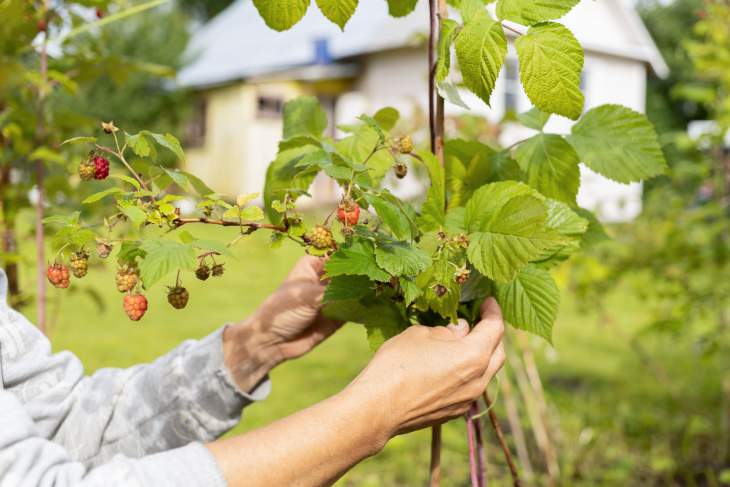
(401,170)
(127,277)
(58,275)
(178,297)
(217,270)
(80,263)
(440,290)
(103,249)
(462,275)
(135,305)
(202,272)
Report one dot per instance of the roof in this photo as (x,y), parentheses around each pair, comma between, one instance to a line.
(237,44)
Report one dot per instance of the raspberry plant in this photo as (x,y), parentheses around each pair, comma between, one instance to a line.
(494,221)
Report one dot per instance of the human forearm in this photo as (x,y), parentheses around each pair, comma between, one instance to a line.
(310,448)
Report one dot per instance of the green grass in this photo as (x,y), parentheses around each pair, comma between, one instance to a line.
(613,422)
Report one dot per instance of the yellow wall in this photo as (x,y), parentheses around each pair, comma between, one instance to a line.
(238,145)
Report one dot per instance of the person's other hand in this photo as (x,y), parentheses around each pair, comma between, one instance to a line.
(287,325)
(427,375)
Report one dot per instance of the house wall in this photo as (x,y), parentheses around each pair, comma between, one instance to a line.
(238,143)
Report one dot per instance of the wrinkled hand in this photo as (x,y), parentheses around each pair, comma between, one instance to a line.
(287,325)
(427,375)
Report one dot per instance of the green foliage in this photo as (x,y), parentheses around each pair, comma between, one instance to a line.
(493,221)
(530,12)
(550,64)
(481,48)
(551,165)
(338,11)
(506,225)
(401,8)
(281,14)
(618,143)
(530,301)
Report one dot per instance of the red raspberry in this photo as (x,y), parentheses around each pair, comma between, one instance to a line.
(58,275)
(348,213)
(135,305)
(101,167)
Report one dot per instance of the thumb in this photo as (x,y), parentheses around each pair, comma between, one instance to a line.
(460,329)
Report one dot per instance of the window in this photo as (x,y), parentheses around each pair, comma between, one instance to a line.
(511,86)
(195,133)
(269,106)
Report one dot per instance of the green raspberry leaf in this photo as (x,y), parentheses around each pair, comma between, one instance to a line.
(163,257)
(381,317)
(356,259)
(281,14)
(619,143)
(400,259)
(389,210)
(304,117)
(480,49)
(529,12)
(168,141)
(387,117)
(551,60)
(533,118)
(433,210)
(401,8)
(347,287)
(338,11)
(449,29)
(506,221)
(551,165)
(530,301)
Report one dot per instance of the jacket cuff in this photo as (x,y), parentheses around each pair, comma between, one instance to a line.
(192,464)
(218,401)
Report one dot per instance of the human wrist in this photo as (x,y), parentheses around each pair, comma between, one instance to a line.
(248,354)
(377,422)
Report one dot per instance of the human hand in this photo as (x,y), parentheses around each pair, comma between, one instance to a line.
(428,375)
(288,324)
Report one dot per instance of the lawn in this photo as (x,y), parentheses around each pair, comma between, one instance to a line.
(613,421)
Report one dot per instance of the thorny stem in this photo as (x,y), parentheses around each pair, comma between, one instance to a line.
(437,12)
(502,442)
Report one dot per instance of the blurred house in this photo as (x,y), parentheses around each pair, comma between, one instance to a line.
(244,72)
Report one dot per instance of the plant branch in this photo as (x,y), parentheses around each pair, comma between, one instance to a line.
(252,227)
(502,442)
(40,239)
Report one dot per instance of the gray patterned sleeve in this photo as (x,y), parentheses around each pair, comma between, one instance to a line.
(185,396)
